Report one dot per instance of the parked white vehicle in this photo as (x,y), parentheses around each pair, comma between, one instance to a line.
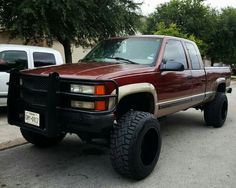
(23,57)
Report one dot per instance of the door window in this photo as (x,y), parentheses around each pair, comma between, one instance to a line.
(13,59)
(174,52)
(43,59)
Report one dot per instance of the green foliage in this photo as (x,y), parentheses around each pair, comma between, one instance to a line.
(213,31)
(190,16)
(224,39)
(80,22)
(173,30)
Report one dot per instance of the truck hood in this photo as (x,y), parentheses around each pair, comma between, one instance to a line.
(90,70)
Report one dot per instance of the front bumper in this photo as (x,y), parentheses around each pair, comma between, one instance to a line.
(48,97)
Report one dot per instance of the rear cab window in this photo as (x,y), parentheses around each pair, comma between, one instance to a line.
(194,56)
(174,52)
(13,59)
(43,59)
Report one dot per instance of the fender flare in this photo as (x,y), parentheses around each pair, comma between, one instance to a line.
(138,88)
(219,81)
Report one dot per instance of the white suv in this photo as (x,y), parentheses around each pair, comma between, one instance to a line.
(23,57)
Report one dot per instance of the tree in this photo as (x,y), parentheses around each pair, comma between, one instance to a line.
(173,30)
(224,39)
(190,16)
(79,22)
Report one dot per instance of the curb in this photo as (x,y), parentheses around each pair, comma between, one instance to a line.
(12,143)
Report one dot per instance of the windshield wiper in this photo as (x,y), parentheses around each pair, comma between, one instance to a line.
(123,59)
(90,60)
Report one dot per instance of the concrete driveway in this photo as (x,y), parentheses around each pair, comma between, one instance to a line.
(192,155)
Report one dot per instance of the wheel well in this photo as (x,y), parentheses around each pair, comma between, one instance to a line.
(221,88)
(140,101)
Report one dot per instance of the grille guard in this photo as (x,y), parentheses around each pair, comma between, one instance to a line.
(54,96)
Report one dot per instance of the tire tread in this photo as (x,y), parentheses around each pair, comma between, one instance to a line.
(122,137)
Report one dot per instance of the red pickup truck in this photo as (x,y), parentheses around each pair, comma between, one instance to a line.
(118,91)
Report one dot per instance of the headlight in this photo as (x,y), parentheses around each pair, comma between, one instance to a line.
(82,104)
(87,89)
(97,104)
(82,89)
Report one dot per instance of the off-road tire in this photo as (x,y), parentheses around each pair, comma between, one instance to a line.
(215,112)
(135,144)
(41,140)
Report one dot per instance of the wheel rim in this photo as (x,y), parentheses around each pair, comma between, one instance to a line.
(224,111)
(149,146)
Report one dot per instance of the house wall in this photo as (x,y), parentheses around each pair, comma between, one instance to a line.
(207,62)
(77,52)
(4,39)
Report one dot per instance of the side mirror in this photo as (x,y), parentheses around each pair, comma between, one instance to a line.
(172,66)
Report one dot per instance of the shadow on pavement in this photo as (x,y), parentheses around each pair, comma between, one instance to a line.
(3,114)
(73,159)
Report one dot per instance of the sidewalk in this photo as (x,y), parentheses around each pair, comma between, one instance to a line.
(10,136)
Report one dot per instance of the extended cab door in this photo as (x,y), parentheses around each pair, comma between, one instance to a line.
(174,87)
(198,73)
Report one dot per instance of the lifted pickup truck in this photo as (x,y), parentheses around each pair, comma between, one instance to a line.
(119,90)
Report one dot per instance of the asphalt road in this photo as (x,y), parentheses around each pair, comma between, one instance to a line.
(192,155)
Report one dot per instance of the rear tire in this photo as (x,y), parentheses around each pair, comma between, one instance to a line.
(215,112)
(41,140)
(135,145)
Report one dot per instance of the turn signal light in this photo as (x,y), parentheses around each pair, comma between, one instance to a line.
(100,90)
(100,105)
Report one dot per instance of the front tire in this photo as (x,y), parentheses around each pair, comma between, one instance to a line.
(215,112)
(135,145)
(41,140)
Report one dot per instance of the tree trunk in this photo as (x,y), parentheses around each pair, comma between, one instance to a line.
(212,62)
(67,49)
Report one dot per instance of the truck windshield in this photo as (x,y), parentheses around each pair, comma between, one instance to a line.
(126,50)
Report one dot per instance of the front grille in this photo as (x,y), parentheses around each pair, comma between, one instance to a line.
(34,90)
(37,83)
(33,98)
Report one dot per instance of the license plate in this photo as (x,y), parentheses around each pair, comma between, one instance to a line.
(32,118)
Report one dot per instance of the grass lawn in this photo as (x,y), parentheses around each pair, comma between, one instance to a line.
(233,78)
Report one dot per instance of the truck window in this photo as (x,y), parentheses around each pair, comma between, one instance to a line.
(10,59)
(43,59)
(193,56)
(174,52)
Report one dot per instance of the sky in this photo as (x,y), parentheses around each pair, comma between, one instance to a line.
(150,5)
